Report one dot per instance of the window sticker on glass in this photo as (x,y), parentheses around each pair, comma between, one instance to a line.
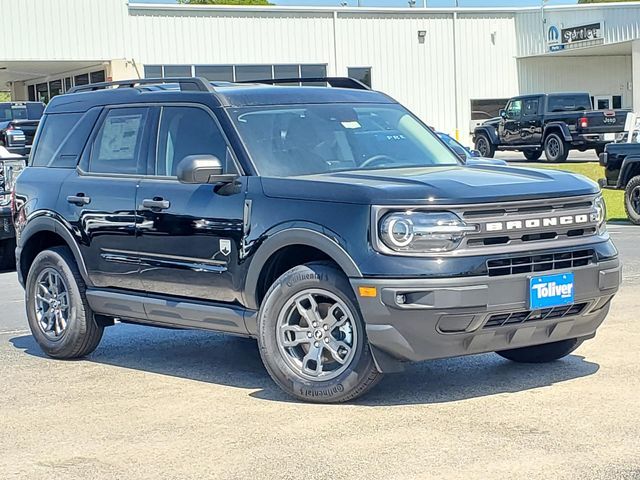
(119,137)
(351,125)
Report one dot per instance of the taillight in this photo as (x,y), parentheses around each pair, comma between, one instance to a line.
(583,122)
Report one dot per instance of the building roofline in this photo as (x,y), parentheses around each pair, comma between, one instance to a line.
(390,10)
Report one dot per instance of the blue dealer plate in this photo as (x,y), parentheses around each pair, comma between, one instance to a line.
(548,291)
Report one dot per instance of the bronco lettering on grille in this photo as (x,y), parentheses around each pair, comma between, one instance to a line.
(536,223)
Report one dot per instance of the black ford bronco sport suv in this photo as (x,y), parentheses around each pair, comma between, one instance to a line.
(329,223)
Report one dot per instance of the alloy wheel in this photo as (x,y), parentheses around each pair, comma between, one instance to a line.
(317,334)
(52,303)
(553,148)
(634,199)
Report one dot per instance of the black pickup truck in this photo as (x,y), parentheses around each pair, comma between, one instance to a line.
(550,123)
(18,124)
(621,162)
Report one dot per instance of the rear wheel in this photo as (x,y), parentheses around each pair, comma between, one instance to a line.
(541,353)
(312,338)
(632,200)
(555,148)
(532,155)
(57,310)
(484,146)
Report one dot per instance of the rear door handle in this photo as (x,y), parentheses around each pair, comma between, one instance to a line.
(156,203)
(80,199)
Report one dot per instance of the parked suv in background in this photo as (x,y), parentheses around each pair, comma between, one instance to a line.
(18,125)
(552,123)
(329,223)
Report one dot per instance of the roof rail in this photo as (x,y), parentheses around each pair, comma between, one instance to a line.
(337,82)
(194,84)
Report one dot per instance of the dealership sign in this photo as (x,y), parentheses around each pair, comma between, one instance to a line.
(582,33)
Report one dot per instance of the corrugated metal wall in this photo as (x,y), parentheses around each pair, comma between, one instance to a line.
(602,75)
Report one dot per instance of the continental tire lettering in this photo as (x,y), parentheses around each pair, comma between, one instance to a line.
(325,392)
(301,277)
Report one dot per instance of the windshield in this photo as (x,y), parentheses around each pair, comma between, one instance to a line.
(305,140)
(20,111)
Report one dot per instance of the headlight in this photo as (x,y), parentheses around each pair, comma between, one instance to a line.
(600,214)
(423,232)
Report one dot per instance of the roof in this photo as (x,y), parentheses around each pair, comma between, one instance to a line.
(229,95)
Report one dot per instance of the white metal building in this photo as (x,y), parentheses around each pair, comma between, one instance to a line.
(447,65)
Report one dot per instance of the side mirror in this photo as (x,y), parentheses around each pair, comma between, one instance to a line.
(202,169)
(475,153)
(503,113)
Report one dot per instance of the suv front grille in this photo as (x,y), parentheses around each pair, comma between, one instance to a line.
(502,319)
(545,262)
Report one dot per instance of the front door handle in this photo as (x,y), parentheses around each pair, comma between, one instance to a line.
(156,203)
(80,199)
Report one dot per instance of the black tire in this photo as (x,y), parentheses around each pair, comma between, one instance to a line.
(555,148)
(484,146)
(82,333)
(7,254)
(360,372)
(532,155)
(542,353)
(632,200)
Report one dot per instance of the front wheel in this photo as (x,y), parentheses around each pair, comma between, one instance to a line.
(532,155)
(632,200)
(541,353)
(312,338)
(555,148)
(484,146)
(57,309)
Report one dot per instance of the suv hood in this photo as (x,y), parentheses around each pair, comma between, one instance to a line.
(431,185)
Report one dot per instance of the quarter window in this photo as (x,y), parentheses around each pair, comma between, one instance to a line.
(118,144)
(187,131)
(55,129)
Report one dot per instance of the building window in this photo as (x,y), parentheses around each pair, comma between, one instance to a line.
(221,73)
(31,89)
(287,71)
(360,73)
(68,84)
(42,92)
(313,71)
(175,71)
(55,88)
(97,77)
(81,79)
(617,101)
(247,73)
(153,71)
(487,108)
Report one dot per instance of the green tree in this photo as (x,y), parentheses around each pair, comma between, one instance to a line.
(225,2)
(5,96)
(603,1)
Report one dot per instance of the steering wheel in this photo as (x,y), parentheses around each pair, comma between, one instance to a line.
(381,159)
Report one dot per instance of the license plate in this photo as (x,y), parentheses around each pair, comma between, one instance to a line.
(548,291)
(609,137)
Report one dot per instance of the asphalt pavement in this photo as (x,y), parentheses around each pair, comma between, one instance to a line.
(153,403)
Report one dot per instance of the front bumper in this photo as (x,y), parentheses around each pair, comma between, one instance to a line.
(6,224)
(442,318)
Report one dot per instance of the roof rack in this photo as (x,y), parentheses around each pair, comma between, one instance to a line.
(336,82)
(193,84)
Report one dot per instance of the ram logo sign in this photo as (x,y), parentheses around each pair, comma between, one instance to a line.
(553,35)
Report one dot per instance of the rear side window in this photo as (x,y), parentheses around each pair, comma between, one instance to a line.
(187,131)
(54,130)
(117,146)
(569,103)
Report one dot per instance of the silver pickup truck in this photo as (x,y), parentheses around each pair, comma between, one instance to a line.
(10,167)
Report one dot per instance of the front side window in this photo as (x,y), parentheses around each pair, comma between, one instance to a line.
(514,109)
(118,144)
(305,140)
(186,131)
